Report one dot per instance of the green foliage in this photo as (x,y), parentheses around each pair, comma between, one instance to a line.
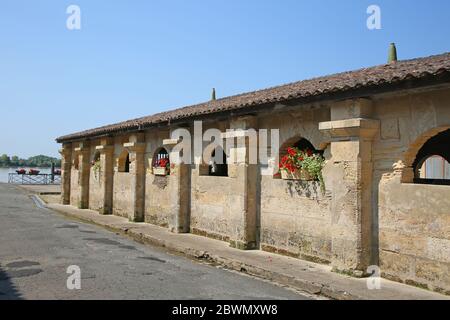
(40,161)
(97,167)
(311,162)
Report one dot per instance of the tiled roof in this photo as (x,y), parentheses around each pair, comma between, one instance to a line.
(390,76)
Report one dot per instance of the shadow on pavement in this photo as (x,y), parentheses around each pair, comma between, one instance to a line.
(8,290)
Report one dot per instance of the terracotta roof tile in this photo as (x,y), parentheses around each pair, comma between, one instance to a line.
(322,87)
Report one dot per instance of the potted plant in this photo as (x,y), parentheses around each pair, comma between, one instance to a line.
(302,165)
(162,168)
(21,171)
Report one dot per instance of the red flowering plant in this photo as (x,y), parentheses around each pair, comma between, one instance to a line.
(297,160)
(164,163)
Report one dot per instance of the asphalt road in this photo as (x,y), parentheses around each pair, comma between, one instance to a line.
(37,246)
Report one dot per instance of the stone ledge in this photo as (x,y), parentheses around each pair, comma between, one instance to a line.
(351,127)
(135,146)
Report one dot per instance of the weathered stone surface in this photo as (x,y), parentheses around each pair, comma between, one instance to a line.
(370,212)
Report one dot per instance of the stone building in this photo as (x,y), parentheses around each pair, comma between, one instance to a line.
(377,128)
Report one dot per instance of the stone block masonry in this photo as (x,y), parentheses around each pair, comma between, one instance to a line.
(377,208)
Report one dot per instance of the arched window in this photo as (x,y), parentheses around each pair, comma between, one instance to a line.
(299,160)
(435,167)
(76,162)
(299,143)
(304,145)
(218,166)
(96,158)
(124,162)
(161,162)
(432,161)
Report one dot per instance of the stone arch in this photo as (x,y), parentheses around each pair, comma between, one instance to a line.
(95,157)
(300,142)
(158,156)
(76,161)
(424,146)
(218,166)
(124,161)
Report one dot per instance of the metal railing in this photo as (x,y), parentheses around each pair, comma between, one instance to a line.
(37,179)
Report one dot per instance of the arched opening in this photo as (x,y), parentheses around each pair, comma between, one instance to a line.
(218,165)
(435,167)
(161,162)
(76,162)
(297,145)
(96,158)
(431,165)
(124,162)
(96,165)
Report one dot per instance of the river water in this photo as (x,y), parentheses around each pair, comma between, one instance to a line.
(5,171)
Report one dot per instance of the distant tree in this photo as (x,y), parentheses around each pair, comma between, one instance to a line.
(14,161)
(36,161)
(5,160)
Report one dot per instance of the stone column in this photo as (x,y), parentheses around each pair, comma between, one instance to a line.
(180,192)
(84,153)
(245,196)
(137,171)
(66,168)
(349,177)
(106,150)
(180,199)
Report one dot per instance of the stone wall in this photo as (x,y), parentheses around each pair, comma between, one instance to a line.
(212,202)
(122,201)
(415,233)
(295,216)
(74,178)
(295,219)
(158,189)
(74,187)
(414,219)
(158,207)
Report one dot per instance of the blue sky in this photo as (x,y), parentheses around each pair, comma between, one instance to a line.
(133,57)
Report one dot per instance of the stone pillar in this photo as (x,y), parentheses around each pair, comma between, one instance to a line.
(84,152)
(245,196)
(180,193)
(180,199)
(136,151)
(66,168)
(106,150)
(349,177)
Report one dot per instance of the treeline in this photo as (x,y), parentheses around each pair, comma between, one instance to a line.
(37,161)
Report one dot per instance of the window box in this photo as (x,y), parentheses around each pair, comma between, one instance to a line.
(298,174)
(160,171)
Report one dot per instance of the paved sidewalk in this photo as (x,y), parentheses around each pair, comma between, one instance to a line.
(302,275)
(42,189)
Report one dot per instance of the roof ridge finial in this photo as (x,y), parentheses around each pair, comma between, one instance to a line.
(392,53)
(213,95)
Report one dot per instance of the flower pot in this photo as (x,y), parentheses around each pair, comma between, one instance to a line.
(298,174)
(160,171)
